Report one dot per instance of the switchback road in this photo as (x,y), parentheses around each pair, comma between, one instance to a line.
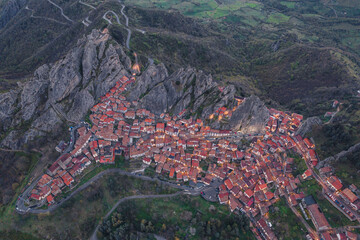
(108,20)
(127,43)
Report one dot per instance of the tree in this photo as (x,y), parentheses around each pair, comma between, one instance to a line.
(208,228)
(143,225)
(150,227)
(163,227)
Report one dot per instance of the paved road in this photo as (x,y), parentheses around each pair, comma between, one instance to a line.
(325,189)
(61,10)
(126,18)
(116,16)
(151,61)
(86,4)
(73,136)
(127,25)
(94,237)
(21,208)
(127,44)
(128,38)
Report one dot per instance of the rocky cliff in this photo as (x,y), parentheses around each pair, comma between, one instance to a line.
(198,93)
(184,89)
(63,92)
(307,125)
(9,10)
(250,117)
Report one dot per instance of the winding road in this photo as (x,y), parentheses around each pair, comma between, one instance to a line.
(127,25)
(127,43)
(108,20)
(126,18)
(61,10)
(22,209)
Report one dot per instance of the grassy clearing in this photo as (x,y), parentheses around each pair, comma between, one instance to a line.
(173,218)
(299,164)
(84,210)
(254,5)
(285,222)
(288,4)
(277,18)
(8,210)
(16,235)
(93,170)
(347,169)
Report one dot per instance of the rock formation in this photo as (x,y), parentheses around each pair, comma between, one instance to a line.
(65,91)
(9,10)
(336,157)
(183,89)
(250,117)
(307,125)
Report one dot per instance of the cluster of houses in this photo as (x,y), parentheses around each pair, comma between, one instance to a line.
(344,199)
(189,150)
(92,145)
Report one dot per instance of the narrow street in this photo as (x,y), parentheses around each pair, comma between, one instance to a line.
(302,220)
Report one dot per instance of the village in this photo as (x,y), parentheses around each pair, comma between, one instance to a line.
(252,179)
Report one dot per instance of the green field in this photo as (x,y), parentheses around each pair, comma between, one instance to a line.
(278,18)
(84,210)
(199,8)
(16,235)
(288,4)
(285,223)
(177,218)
